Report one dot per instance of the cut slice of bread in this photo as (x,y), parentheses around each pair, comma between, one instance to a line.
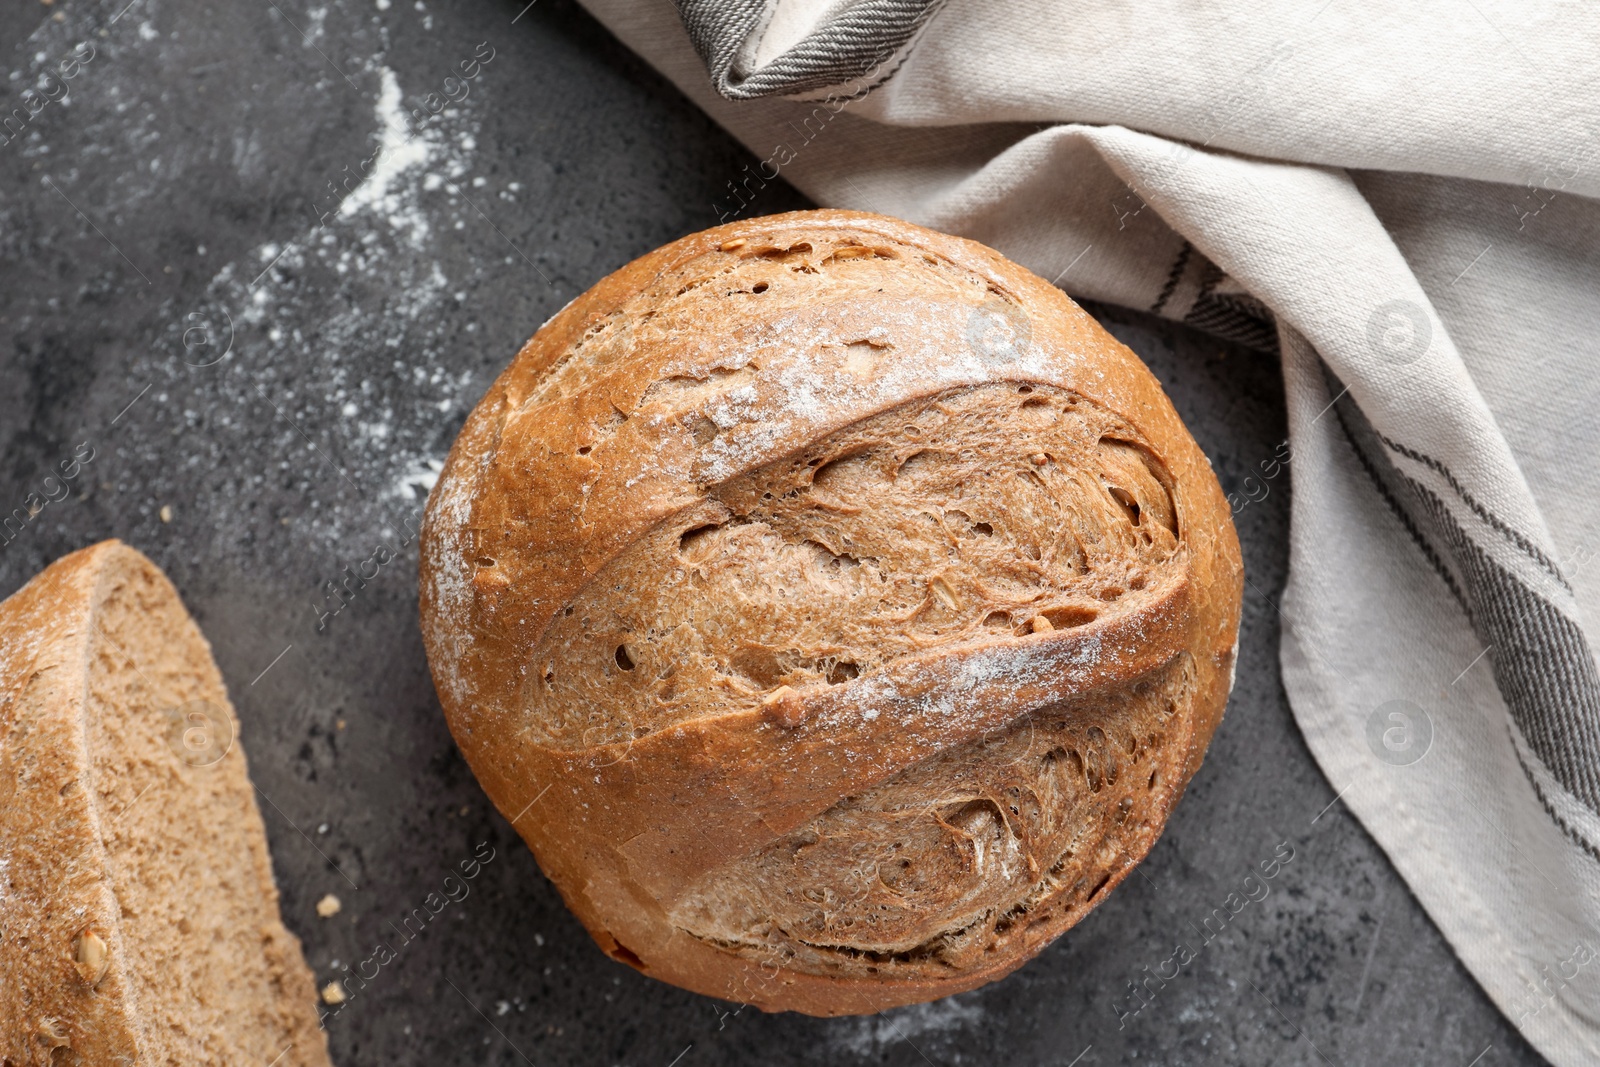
(138,916)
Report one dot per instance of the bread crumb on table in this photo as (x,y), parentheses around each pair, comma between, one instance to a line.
(333,993)
(328,906)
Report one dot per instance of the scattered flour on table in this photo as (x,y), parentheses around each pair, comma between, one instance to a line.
(870,1034)
(420,479)
(360,302)
(385,190)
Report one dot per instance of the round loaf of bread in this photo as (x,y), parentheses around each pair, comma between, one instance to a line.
(834,607)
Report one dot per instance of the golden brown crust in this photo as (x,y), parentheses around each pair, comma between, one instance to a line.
(650,406)
(103,925)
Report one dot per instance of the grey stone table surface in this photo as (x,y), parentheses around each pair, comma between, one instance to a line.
(269,381)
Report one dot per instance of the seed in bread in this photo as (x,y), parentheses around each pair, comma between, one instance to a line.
(833,606)
(93,957)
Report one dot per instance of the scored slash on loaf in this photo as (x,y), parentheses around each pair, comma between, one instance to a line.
(862,605)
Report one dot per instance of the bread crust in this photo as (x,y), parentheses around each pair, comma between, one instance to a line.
(62,1001)
(564,466)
